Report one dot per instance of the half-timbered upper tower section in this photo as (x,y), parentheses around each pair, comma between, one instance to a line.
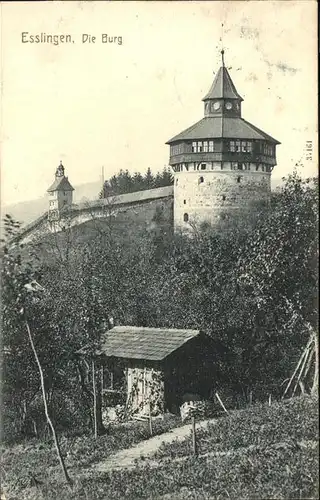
(221,162)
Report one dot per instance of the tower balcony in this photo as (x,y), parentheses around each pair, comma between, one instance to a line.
(222,157)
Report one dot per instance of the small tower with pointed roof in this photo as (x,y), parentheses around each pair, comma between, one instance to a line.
(60,194)
(222,163)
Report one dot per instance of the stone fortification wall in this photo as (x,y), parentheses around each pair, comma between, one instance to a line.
(139,207)
(210,195)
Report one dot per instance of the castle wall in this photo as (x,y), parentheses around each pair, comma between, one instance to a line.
(129,210)
(221,192)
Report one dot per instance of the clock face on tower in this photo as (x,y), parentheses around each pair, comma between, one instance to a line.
(216,106)
(228,105)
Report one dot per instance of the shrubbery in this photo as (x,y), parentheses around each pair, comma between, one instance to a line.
(251,288)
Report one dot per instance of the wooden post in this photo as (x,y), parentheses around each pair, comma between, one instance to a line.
(102,378)
(301,370)
(94,388)
(219,399)
(194,437)
(269,399)
(250,398)
(297,367)
(150,420)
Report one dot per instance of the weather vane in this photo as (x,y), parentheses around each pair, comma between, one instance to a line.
(222,46)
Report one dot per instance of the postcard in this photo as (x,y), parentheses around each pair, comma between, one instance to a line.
(159,209)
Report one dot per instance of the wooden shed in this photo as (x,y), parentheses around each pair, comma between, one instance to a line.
(158,366)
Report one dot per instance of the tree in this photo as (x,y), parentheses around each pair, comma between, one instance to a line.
(124,182)
(18,281)
(164,178)
(279,266)
(148,179)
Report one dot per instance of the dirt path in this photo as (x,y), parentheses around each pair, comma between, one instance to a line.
(126,458)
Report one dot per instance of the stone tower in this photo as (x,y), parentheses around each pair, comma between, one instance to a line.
(222,163)
(60,194)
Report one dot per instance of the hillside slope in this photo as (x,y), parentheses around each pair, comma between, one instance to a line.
(260,452)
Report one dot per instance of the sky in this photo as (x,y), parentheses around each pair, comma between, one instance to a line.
(94,105)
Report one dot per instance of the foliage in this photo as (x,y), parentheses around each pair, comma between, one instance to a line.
(251,287)
(124,182)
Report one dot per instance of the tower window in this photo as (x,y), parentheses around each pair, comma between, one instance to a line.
(201,180)
(185,217)
(268,150)
(237,146)
(176,149)
(176,182)
(239,179)
(203,146)
(203,166)
(223,197)
(184,202)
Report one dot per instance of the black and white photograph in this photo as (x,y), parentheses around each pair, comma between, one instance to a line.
(159,250)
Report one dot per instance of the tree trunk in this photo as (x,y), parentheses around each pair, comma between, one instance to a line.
(97,403)
(86,393)
(315,384)
(94,390)
(55,438)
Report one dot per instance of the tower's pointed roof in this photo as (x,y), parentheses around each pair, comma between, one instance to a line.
(61,182)
(222,87)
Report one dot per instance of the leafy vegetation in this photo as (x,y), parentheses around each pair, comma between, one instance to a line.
(124,182)
(251,287)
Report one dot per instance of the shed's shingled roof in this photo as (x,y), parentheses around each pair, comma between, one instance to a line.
(60,184)
(222,126)
(154,344)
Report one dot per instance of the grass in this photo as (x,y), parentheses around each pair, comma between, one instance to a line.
(39,457)
(259,425)
(264,453)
